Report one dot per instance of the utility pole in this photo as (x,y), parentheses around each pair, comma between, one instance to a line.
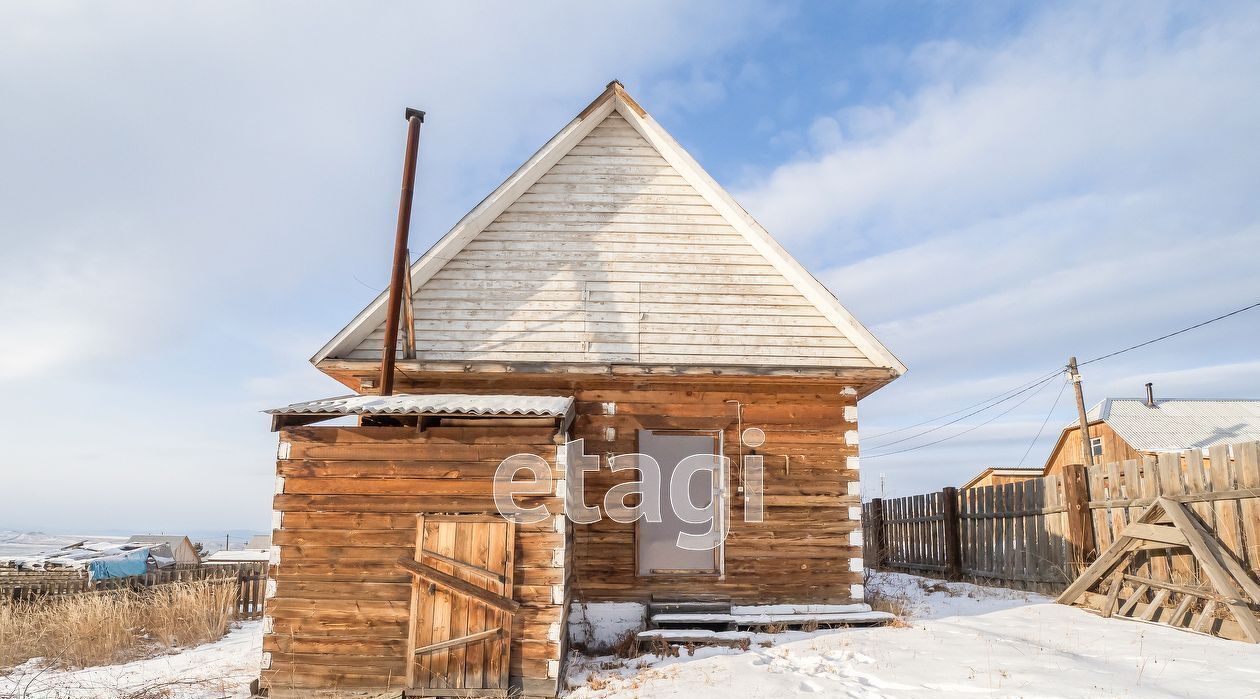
(1087,450)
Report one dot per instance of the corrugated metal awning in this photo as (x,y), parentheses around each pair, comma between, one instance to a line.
(433,404)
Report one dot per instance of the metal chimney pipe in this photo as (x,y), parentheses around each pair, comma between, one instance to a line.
(415,117)
(1150,395)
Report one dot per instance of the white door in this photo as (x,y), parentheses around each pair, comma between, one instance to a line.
(658,549)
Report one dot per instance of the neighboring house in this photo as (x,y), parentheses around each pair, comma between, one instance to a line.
(237,556)
(1129,428)
(609,291)
(102,559)
(1001,476)
(259,542)
(181,546)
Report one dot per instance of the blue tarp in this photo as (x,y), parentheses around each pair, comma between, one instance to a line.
(121,566)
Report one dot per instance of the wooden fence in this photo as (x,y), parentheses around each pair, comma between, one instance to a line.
(1040,533)
(1223,490)
(30,585)
(1013,534)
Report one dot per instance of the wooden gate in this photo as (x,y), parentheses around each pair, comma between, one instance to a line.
(460,635)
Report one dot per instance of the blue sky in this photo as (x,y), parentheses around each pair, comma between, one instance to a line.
(194,198)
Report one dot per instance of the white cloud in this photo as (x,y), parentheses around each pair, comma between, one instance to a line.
(1082,186)
(1066,109)
(188,193)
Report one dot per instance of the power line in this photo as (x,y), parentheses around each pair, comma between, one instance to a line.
(969,429)
(1043,423)
(1040,383)
(1173,334)
(969,407)
(1000,398)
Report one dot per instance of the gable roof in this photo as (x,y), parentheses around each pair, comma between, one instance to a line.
(1175,425)
(591,279)
(1008,471)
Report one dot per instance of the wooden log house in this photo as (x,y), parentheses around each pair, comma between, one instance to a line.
(608,291)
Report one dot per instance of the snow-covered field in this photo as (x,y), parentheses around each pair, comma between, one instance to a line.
(219,670)
(960,640)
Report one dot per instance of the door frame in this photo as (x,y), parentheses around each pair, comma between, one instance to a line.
(719,510)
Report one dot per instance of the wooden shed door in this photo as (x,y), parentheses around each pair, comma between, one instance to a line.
(461,606)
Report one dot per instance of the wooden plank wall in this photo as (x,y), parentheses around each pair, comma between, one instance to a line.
(348,499)
(807,549)
(612,257)
(1068,449)
(1223,489)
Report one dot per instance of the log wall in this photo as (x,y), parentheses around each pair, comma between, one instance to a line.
(808,549)
(347,499)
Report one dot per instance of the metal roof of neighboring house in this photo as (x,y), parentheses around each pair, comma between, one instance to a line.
(433,404)
(1174,425)
(237,556)
(157,539)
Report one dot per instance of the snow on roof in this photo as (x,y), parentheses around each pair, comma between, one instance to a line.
(433,404)
(79,556)
(1174,425)
(24,544)
(157,539)
(237,556)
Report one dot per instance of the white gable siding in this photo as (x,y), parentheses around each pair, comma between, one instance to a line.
(611,256)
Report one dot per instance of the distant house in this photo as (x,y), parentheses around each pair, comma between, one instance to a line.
(1129,428)
(181,546)
(1001,476)
(259,542)
(219,558)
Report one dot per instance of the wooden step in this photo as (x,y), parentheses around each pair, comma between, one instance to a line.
(716,619)
(696,637)
(800,608)
(688,607)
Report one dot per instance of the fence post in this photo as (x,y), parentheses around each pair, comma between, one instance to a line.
(953,533)
(875,532)
(1080,523)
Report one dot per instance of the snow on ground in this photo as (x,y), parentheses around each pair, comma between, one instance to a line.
(219,670)
(960,640)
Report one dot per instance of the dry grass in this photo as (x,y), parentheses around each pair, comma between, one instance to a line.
(106,628)
(627,646)
(897,605)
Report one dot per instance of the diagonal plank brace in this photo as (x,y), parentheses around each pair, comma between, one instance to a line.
(461,641)
(1225,574)
(458,586)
